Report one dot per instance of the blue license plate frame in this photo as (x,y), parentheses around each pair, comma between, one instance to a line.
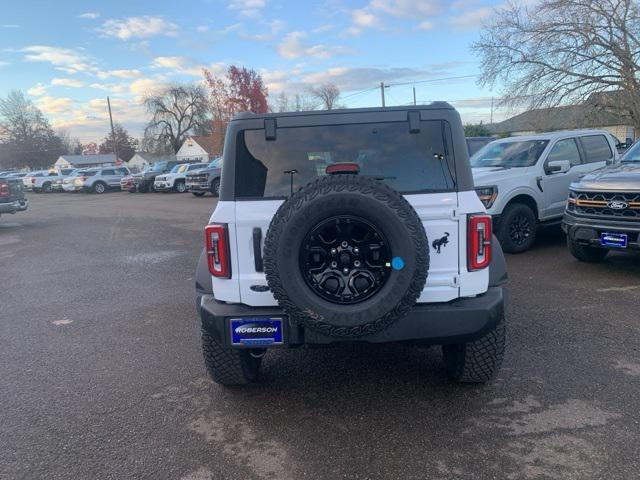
(256,331)
(614,240)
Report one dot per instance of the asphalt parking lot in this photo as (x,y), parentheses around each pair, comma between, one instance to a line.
(101,374)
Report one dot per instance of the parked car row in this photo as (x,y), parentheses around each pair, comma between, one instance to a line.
(197,178)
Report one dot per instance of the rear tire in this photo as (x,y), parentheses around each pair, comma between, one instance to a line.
(99,187)
(477,361)
(215,187)
(228,366)
(517,229)
(585,253)
(198,194)
(46,188)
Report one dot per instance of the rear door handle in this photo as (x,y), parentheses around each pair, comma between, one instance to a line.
(257,249)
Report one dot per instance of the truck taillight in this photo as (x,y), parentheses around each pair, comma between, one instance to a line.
(216,239)
(4,189)
(479,242)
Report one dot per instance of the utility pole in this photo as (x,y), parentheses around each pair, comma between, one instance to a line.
(113,132)
(414,95)
(491,118)
(382,92)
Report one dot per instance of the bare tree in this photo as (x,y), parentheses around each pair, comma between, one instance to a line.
(175,113)
(326,94)
(560,51)
(282,103)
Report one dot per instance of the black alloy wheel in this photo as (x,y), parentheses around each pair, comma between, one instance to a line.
(345,259)
(520,229)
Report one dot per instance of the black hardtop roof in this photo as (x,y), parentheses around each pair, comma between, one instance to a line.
(342,111)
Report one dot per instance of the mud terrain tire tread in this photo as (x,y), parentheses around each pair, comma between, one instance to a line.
(477,361)
(227,366)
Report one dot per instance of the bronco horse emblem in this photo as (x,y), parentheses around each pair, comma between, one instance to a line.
(441,242)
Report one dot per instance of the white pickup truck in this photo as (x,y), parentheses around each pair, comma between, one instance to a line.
(176,179)
(524,181)
(41,181)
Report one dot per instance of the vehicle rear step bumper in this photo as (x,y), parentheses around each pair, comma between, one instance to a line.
(14,206)
(458,321)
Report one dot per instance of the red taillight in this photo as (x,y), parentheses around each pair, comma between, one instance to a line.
(4,189)
(217,244)
(479,242)
(33,180)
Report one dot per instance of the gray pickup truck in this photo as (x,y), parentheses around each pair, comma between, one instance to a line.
(205,180)
(12,198)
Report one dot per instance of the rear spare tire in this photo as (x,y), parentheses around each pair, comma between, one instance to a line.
(346,256)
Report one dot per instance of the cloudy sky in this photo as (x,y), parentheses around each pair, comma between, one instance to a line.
(68,55)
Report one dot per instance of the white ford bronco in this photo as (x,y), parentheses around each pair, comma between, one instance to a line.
(350,226)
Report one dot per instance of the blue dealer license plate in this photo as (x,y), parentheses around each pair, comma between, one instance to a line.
(259,331)
(618,240)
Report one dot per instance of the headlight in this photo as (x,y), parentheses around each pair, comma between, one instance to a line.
(487,195)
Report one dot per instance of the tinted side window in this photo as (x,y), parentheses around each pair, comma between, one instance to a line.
(387,151)
(596,148)
(565,150)
(108,172)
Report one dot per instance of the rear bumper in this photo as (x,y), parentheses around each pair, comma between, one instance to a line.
(587,230)
(458,321)
(14,206)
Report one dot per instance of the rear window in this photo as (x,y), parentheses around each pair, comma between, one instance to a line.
(596,148)
(387,151)
(89,174)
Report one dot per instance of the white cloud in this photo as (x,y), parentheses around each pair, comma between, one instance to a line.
(202,28)
(67,59)
(90,15)
(127,74)
(293,46)
(364,18)
(425,25)
(247,8)
(275,27)
(177,65)
(138,27)
(54,105)
(408,8)
(360,78)
(67,82)
(38,90)
(7,25)
(229,28)
(470,19)
(114,88)
(146,86)
(3,64)
(323,28)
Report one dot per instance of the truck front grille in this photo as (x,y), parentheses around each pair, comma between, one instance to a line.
(197,178)
(605,204)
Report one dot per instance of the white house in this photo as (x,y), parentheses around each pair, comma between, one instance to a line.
(87,161)
(196,149)
(143,160)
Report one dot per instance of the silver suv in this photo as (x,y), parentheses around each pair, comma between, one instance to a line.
(99,180)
